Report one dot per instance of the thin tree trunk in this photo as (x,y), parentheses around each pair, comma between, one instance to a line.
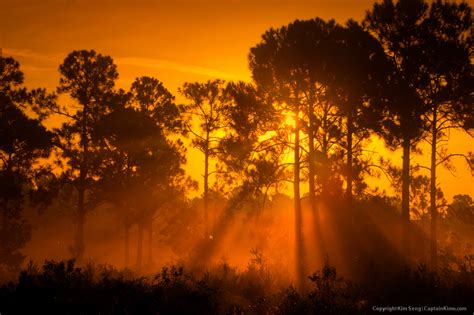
(80,246)
(433,209)
(349,176)
(206,187)
(406,197)
(79,239)
(150,243)
(127,245)
(139,247)
(325,169)
(319,246)
(312,171)
(298,215)
(324,175)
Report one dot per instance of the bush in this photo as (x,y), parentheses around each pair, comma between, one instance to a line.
(64,288)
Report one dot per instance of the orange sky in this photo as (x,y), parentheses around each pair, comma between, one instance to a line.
(173,40)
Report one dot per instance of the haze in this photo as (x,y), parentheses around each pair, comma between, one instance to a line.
(261,164)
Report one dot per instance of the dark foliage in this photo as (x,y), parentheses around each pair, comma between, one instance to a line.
(64,288)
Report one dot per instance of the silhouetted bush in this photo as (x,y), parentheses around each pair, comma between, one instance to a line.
(64,288)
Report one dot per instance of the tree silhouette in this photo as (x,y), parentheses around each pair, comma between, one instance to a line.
(150,96)
(142,165)
(448,46)
(318,70)
(246,167)
(247,118)
(462,208)
(114,138)
(89,78)
(23,142)
(153,99)
(431,47)
(398,28)
(357,71)
(207,102)
(287,68)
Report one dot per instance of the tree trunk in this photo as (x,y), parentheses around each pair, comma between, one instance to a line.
(349,176)
(319,246)
(433,209)
(139,247)
(406,197)
(300,275)
(150,243)
(127,245)
(79,239)
(324,172)
(80,246)
(206,187)
(312,171)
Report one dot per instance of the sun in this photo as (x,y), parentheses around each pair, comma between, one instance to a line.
(288,119)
